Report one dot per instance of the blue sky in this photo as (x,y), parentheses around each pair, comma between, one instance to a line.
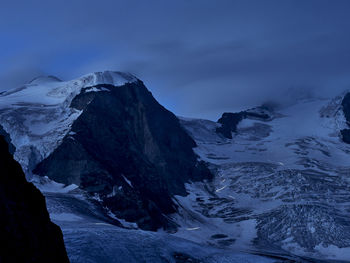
(198,57)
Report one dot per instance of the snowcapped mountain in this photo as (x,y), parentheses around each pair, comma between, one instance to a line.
(281,184)
(38,115)
(107,155)
(105,133)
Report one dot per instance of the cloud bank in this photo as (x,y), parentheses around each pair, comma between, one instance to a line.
(198,57)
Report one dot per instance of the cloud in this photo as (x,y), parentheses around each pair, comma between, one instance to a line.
(198,57)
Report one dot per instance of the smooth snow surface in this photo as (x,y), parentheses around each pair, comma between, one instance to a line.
(37,116)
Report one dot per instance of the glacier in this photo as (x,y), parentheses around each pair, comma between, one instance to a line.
(281,188)
(282,184)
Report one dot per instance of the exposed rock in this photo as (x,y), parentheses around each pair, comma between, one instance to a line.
(130,151)
(345,133)
(229,121)
(7,138)
(346,106)
(27,234)
(346,109)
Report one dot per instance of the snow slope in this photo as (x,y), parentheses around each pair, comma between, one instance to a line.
(37,116)
(281,185)
(91,237)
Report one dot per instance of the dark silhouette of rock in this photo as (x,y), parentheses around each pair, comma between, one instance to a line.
(346,106)
(27,234)
(345,133)
(130,151)
(229,121)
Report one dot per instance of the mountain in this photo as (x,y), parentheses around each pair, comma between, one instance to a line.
(105,133)
(27,234)
(229,121)
(271,180)
(281,183)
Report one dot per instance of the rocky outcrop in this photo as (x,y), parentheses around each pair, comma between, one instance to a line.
(346,106)
(27,234)
(129,151)
(345,133)
(229,121)
(7,138)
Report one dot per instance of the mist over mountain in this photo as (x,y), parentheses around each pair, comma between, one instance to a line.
(235,54)
(175,131)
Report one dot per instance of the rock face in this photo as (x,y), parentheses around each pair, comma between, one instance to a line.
(346,109)
(229,121)
(129,151)
(27,234)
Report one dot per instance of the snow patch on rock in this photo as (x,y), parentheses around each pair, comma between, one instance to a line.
(37,116)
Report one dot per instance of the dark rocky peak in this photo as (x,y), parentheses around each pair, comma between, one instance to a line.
(129,151)
(27,234)
(229,121)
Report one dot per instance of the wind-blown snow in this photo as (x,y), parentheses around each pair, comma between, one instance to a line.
(37,116)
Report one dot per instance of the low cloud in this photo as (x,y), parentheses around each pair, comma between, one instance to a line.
(199,58)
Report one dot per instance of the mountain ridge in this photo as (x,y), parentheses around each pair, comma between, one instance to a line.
(107,134)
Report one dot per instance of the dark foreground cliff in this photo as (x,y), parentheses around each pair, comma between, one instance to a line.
(26,232)
(129,151)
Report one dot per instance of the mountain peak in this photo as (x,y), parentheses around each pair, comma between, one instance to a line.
(47,99)
(115,78)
